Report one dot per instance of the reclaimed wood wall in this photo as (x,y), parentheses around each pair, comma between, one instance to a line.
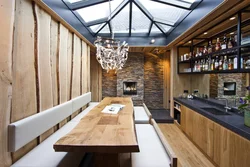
(42,64)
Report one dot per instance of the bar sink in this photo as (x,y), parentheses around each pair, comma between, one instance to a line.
(215,111)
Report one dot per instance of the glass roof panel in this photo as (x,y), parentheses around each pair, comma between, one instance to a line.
(120,23)
(140,22)
(105,29)
(168,14)
(98,11)
(164,27)
(95,28)
(155,29)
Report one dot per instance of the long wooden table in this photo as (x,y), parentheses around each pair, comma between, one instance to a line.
(106,135)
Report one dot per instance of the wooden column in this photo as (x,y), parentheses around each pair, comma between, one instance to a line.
(7,9)
(166,80)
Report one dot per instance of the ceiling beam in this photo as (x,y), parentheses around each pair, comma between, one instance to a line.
(95,22)
(115,12)
(171,4)
(110,29)
(84,4)
(130,17)
(150,28)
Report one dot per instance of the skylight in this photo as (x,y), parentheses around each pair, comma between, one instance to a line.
(98,11)
(131,17)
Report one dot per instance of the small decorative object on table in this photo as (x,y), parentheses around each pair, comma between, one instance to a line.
(245,107)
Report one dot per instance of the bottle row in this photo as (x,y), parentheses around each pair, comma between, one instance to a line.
(220,63)
(226,43)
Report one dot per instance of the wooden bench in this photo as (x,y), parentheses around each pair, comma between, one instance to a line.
(154,149)
(43,155)
(142,114)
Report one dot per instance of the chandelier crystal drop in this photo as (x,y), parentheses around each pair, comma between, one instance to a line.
(110,53)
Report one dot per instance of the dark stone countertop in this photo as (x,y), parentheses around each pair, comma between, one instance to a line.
(233,122)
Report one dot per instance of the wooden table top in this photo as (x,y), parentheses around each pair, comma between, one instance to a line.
(103,133)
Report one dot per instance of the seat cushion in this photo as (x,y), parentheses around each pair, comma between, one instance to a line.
(152,152)
(141,116)
(83,113)
(44,155)
(93,103)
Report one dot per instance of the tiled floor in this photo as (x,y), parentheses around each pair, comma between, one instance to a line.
(161,115)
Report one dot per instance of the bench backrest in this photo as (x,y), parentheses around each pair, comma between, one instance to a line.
(81,101)
(27,129)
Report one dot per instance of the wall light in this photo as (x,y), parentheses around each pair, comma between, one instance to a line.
(152,41)
(232,18)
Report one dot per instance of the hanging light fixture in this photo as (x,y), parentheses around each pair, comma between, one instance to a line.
(110,53)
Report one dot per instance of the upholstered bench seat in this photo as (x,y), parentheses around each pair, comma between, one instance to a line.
(84,112)
(152,152)
(44,155)
(93,103)
(142,115)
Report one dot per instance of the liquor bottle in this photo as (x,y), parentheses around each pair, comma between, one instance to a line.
(201,65)
(206,66)
(205,51)
(200,51)
(230,64)
(221,63)
(209,64)
(230,43)
(235,40)
(216,64)
(198,66)
(224,44)
(195,66)
(235,62)
(210,47)
(218,45)
(197,52)
(225,63)
(212,65)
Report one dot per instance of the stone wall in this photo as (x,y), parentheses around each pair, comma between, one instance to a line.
(153,81)
(109,84)
(213,85)
(239,78)
(147,71)
(133,71)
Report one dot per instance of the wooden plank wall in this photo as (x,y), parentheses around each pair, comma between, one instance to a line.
(7,9)
(166,80)
(96,78)
(40,67)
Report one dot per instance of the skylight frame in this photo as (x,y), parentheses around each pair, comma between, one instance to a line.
(106,21)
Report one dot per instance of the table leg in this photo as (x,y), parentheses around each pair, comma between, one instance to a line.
(112,160)
(106,160)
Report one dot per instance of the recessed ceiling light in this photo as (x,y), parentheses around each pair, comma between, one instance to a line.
(189,42)
(205,33)
(232,33)
(152,41)
(232,18)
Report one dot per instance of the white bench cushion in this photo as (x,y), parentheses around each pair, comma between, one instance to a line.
(44,155)
(152,152)
(83,113)
(93,103)
(25,130)
(81,101)
(141,116)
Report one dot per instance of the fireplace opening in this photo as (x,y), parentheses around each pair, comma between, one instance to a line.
(229,88)
(129,88)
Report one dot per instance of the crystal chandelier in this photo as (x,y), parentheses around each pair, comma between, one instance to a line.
(110,53)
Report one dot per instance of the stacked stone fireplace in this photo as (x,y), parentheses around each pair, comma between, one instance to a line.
(131,78)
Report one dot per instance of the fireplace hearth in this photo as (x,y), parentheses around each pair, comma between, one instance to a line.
(129,88)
